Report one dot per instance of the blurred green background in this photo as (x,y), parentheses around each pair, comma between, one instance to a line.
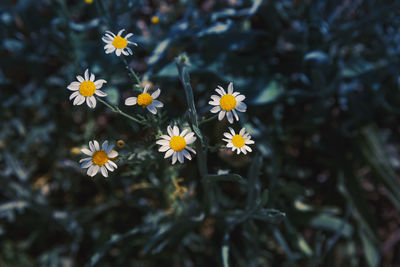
(321,80)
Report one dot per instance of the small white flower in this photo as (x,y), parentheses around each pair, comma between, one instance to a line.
(145,100)
(117,43)
(239,141)
(227,103)
(99,159)
(175,144)
(85,89)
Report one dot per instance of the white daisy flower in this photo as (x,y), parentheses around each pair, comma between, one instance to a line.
(85,89)
(99,159)
(117,43)
(239,141)
(176,144)
(145,100)
(227,103)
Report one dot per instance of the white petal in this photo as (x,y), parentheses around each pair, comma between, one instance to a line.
(230,144)
(166,137)
(100,93)
(86,164)
(220,91)
(74,94)
(96,145)
(92,77)
(104,146)
(242,131)
(175,130)
(215,98)
(112,164)
(87,75)
(111,33)
(230,88)
(90,102)
(164,148)
(146,88)
(190,149)
(169,130)
(157,104)
(152,109)
(229,116)
(241,107)
(79,100)
(236,115)
(249,142)
(104,171)
(129,50)
(215,109)
(240,98)
(190,138)
(120,32)
(184,132)
(247,148)
(109,166)
(130,101)
(128,35)
(91,146)
(232,131)
(80,78)
(92,171)
(74,86)
(169,153)
(180,156)
(112,154)
(125,53)
(174,158)
(107,40)
(162,142)
(85,159)
(99,83)
(214,103)
(156,94)
(86,151)
(109,148)
(109,50)
(221,115)
(186,154)
(228,135)
(118,52)
(243,150)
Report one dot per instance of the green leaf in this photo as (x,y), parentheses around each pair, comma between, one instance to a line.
(270,93)
(333,224)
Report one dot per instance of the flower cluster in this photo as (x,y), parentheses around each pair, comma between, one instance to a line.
(176,143)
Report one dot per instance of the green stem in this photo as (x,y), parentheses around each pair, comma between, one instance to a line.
(133,74)
(201,155)
(208,119)
(117,110)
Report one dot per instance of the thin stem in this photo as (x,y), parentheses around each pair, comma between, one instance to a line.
(208,119)
(201,155)
(133,74)
(117,110)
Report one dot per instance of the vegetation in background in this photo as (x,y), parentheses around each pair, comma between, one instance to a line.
(322,88)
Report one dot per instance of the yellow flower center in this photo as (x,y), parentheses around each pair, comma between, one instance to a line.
(238,141)
(88,1)
(144,100)
(99,158)
(87,88)
(155,19)
(177,143)
(227,102)
(119,42)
